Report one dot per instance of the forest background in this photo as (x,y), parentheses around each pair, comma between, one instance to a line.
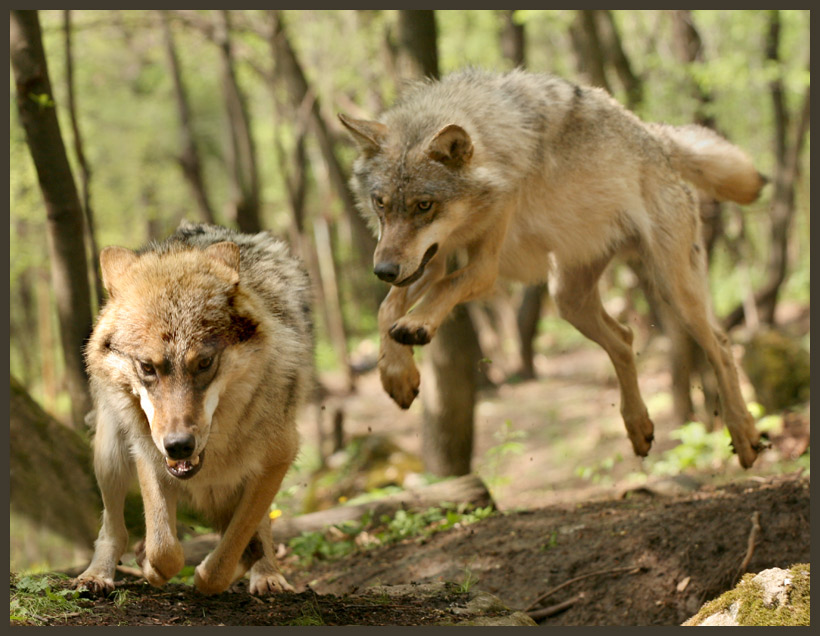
(230,117)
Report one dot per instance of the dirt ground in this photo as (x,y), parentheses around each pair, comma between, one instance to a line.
(648,559)
(585,529)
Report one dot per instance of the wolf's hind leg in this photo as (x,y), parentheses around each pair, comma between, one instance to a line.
(265,575)
(114,471)
(680,275)
(579,302)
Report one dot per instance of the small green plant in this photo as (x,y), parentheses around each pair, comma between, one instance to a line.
(698,449)
(597,473)
(507,444)
(344,538)
(35,599)
(121,597)
(309,615)
(551,543)
(470,579)
(185,575)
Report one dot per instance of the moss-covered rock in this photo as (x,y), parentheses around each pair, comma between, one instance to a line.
(778,368)
(771,597)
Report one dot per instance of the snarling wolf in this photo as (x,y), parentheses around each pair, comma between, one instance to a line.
(198,363)
(530,175)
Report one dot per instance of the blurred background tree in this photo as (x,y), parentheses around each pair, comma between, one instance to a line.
(229,117)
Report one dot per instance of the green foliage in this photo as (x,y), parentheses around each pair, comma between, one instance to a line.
(553,541)
(185,575)
(348,537)
(470,579)
(36,598)
(778,368)
(698,449)
(507,445)
(309,614)
(598,473)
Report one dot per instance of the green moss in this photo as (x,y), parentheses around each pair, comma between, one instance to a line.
(778,368)
(751,611)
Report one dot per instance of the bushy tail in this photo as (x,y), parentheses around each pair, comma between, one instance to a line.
(711,163)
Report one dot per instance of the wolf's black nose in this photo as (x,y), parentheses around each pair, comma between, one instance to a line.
(387,271)
(179,445)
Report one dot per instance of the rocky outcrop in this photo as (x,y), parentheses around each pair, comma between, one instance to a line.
(771,597)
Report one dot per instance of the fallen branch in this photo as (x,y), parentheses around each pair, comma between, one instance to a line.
(554,609)
(631,570)
(130,571)
(466,489)
(750,549)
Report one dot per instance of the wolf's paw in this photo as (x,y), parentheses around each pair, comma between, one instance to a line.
(97,585)
(747,444)
(410,332)
(159,567)
(400,379)
(641,433)
(265,583)
(208,582)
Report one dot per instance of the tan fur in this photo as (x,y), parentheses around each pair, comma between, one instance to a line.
(205,338)
(531,175)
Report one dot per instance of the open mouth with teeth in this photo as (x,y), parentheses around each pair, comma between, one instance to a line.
(184,468)
(429,254)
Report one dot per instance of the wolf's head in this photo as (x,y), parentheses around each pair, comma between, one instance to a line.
(168,336)
(413,185)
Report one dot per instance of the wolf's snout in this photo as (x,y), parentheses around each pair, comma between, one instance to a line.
(179,445)
(388,272)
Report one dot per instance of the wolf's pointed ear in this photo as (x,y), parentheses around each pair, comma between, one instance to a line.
(369,135)
(114,261)
(451,146)
(226,253)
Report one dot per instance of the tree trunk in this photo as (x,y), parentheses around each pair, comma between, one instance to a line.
(69,271)
(418,50)
(85,171)
(589,54)
(786,173)
(617,57)
(787,170)
(513,39)
(529,314)
(449,380)
(189,160)
(686,356)
(513,47)
(242,151)
(302,96)
(331,307)
(448,391)
(51,478)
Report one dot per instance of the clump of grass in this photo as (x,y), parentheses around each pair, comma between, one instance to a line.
(36,599)
(309,615)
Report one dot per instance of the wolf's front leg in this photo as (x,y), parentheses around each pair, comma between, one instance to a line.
(114,471)
(225,564)
(472,281)
(397,370)
(162,557)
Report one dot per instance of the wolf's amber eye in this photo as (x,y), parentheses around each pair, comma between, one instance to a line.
(147,368)
(205,363)
(378,201)
(424,206)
